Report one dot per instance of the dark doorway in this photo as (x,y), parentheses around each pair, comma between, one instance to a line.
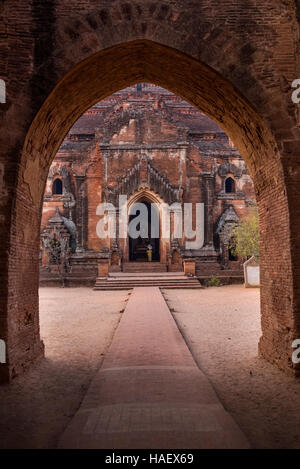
(138,246)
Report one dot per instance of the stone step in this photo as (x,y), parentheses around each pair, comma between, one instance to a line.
(125,284)
(146,274)
(144,267)
(130,282)
(163,287)
(146,283)
(146,279)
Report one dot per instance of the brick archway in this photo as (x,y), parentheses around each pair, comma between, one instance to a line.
(92,80)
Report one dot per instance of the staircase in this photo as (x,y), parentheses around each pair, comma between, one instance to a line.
(168,280)
(144,267)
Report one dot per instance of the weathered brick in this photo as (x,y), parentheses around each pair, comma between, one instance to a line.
(57,64)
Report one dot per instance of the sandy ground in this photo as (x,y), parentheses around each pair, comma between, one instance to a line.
(222,328)
(77,326)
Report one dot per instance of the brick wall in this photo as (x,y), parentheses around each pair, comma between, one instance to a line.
(234,60)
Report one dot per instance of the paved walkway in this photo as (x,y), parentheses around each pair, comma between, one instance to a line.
(149,392)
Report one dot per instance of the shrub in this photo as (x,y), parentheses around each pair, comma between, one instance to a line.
(213,282)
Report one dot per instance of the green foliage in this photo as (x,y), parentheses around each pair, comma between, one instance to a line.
(245,236)
(213,282)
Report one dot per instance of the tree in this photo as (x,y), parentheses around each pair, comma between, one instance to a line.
(245,236)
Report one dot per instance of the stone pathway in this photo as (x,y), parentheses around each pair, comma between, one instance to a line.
(149,392)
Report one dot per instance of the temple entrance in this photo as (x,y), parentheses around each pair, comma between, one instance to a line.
(138,246)
(93,75)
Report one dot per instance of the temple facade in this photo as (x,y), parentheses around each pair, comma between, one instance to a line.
(148,146)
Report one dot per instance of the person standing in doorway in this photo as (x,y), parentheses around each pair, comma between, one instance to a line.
(149,252)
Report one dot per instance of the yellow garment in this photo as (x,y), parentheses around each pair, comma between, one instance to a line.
(149,254)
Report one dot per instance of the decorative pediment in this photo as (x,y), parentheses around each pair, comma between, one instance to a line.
(143,175)
(54,171)
(230,168)
(227,222)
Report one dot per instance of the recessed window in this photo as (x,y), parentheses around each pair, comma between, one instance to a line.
(57,187)
(229,186)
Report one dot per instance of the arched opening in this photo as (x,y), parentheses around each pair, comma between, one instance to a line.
(229,186)
(57,187)
(127,153)
(144,61)
(139,245)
